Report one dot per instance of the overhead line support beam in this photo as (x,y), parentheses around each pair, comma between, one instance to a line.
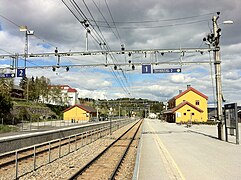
(94,53)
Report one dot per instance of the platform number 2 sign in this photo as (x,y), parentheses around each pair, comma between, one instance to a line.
(20,72)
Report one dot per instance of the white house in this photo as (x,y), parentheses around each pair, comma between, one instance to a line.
(69,96)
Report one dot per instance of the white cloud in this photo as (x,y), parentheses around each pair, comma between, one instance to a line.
(54,24)
(181,78)
(91,94)
(232,75)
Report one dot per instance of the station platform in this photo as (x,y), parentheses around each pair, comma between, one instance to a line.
(170,151)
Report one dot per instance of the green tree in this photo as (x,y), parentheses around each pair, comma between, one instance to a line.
(35,88)
(44,87)
(5,97)
(55,92)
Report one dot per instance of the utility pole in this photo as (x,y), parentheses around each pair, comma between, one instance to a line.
(217,65)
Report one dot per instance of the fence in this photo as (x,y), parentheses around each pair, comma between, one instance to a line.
(55,149)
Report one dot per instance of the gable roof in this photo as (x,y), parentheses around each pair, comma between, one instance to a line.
(72,90)
(186,103)
(191,89)
(82,106)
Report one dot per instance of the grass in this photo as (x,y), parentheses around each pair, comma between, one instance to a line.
(29,104)
(7,128)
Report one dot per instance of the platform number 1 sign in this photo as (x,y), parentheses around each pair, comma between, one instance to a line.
(20,72)
(146,68)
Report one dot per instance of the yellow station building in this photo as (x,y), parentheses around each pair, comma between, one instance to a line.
(188,106)
(79,113)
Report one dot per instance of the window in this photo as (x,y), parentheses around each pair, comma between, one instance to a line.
(184,114)
(188,110)
(192,114)
(197,103)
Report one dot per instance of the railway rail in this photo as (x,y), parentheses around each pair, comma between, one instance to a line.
(109,162)
(30,157)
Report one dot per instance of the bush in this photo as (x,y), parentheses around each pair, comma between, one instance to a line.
(7,128)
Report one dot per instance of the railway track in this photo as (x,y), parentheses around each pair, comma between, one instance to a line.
(109,164)
(29,157)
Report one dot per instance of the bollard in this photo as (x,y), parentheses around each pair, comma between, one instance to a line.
(59,148)
(75,142)
(82,140)
(49,152)
(16,165)
(86,138)
(69,144)
(34,158)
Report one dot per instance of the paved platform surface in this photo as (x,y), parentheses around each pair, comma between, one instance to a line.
(170,151)
(34,127)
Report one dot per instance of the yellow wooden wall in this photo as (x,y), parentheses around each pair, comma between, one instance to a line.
(191,97)
(76,114)
(197,117)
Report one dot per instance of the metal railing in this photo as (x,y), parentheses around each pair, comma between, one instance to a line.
(58,148)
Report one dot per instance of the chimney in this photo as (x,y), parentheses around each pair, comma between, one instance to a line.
(180,91)
(188,86)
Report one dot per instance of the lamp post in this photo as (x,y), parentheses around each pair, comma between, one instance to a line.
(214,40)
(27,33)
(217,66)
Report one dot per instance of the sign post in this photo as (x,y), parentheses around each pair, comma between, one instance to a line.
(231,120)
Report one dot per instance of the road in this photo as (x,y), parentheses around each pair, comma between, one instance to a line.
(178,152)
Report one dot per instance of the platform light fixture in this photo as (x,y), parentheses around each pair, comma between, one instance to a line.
(27,33)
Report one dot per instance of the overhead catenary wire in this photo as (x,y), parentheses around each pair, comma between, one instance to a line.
(101,35)
(121,82)
(81,13)
(156,20)
(118,34)
(108,25)
(77,18)
(108,48)
(157,26)
(112,57)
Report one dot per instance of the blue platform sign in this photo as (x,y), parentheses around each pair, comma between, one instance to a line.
(7,75)
(20,72)
(146,68)
(167,70)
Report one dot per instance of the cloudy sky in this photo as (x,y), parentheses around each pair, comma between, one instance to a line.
(139,24)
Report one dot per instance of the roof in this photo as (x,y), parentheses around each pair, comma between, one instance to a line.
(183,104)
(72,90)
(191,89)
(82,106)
(63,87)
